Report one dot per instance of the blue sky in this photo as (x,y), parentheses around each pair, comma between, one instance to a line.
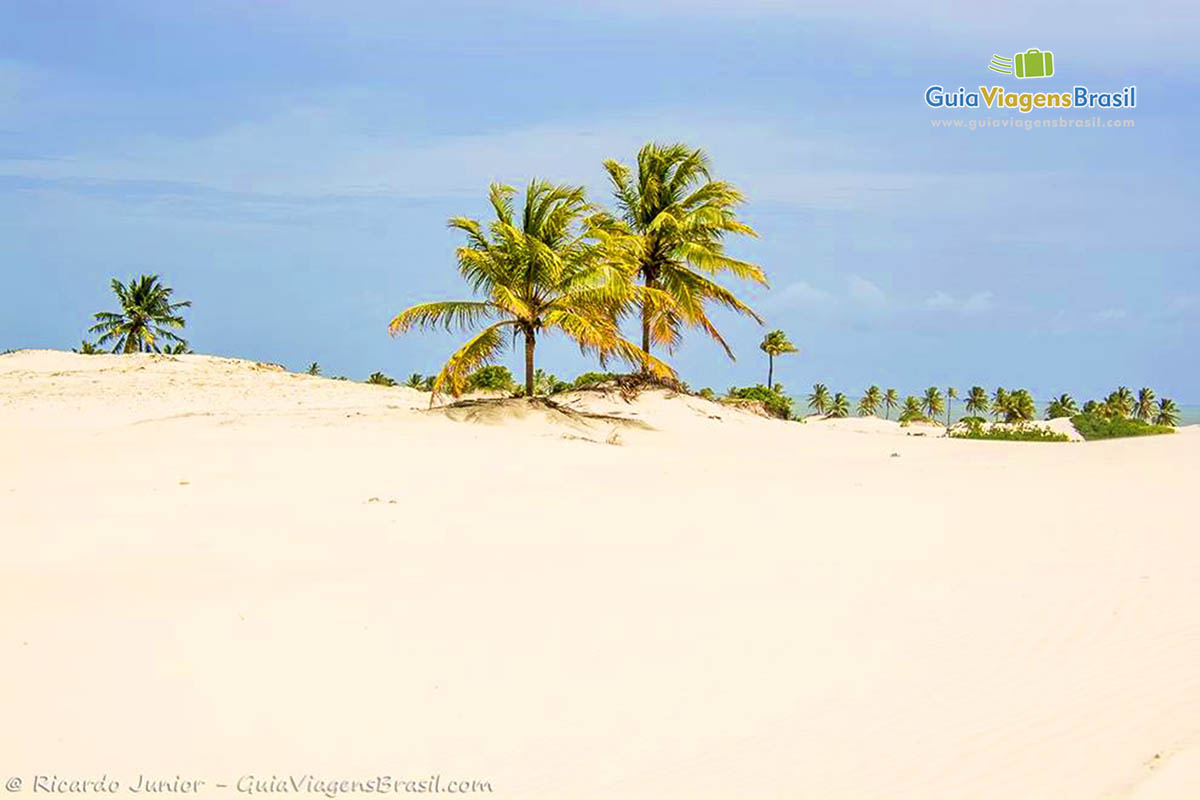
(289,167)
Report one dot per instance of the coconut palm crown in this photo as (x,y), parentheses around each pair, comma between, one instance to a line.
(868,404)
(535,272)
(673,220)
(147,320)
(820,399)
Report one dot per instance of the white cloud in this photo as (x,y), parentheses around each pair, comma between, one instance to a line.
(866,293)
(971,305)
(801,295)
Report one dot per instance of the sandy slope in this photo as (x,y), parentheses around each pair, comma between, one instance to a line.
(217,569)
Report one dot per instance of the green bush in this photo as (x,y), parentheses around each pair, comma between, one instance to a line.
(1020,433)
(1098,426)
(493,378)
(707,393)
(379,379)
(775,402)
(589,380)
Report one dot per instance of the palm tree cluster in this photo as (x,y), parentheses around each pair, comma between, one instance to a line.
(1123,404)
(837,405)
(562,264)
(146,322)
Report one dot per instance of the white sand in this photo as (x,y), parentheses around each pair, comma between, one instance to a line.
(213,569)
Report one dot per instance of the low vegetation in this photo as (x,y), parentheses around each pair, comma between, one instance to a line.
(1017,433)
(1092,426)
(773,400)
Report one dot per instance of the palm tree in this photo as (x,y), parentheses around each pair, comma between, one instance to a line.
(673,222)
(1120,402)
(840,406)
(891,399)
(932,403)
(1062,406)
(977,401)
(379,379)
(177,349)
(868,404)
(1019,406)
(87,348)
(951,396)
(314,368)
(1144,408)
(147,317)
(819,400)
(542,271)
(1167,413)
(912,410)
(1000,402)
(774,344)
(415,381)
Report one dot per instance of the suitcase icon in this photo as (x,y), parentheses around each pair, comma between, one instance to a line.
(1034,63)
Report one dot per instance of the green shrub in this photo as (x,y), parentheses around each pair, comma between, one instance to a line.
(775,402)
(1020,433)
(1097,425)
(493,378)
(379,379)
(707,393)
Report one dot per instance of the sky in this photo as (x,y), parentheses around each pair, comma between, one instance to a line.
(289,167)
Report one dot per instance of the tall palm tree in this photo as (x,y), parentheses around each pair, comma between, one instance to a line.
(932,403)
(839,407)
(673,222)
(868,404)
(774,344)
(1000,402)
(977,401)
(537,272)
(147,320)
(1167,413)
(1143,407)
(951,396)
(819,400)
(1120,402)
(1062,406)
(891,399)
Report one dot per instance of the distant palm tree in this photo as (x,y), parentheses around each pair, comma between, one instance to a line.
(819,400)
(1120,402)
(1143,407)
(415,381)
(951,396)
(868,404)
(932,403)
(674,220)
(86,348)
(1092,407)
(891,399)
(379,379)
(839,407)
(147,318)
(539,270)
(774,344)
(911,412)
(977,401)
(1167,413)
(1062,406)
(1000,403)
(1019,407)
(178,349)
(314,368)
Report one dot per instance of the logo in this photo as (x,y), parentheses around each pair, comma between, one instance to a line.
(1033,63)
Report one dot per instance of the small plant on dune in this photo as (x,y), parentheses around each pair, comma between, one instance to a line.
(839,406)
(492,378)
(178,349)
(1167,413)
(379,379)
(891,400)
(707,394)
(85,348)
(415,381)
(1099,426)
(977,401)
(543,268)
(314,369)
(773,400)
(819,400)
(911,411)
(590,380)
(932,403)
(1062,406)
(1020,433)
(774,344)
(868,404)
(147,320)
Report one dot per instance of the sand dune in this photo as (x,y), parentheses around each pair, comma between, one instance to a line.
(217,568)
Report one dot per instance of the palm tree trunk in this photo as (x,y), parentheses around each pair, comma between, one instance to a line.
(770,370)
(645,338)
(529,344)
